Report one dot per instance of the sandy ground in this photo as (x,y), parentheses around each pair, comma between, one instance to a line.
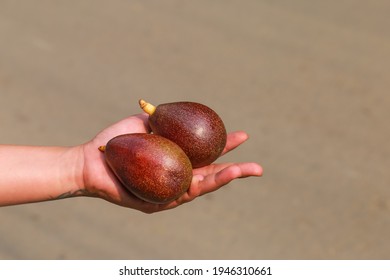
(308,80)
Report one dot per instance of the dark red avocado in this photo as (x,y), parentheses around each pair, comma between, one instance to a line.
(196,128)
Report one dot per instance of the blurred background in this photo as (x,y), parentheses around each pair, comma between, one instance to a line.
(308,80)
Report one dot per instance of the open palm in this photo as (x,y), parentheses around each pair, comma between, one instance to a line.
(99,181)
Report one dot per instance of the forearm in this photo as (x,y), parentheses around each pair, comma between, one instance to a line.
(31,174)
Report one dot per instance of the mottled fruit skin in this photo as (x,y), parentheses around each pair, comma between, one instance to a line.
(196,128)
(151,167)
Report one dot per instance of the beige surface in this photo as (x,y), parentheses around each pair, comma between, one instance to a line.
(308,80)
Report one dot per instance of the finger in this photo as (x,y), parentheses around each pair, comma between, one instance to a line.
(234,171)
(217,167)
(234,139)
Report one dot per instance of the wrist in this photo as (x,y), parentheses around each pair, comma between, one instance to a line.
(72,172)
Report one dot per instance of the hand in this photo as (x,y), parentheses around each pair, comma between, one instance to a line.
(100,182)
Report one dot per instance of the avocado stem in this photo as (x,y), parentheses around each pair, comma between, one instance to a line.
(102,148)
(147,107)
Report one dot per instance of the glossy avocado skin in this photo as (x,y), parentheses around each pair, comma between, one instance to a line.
(151,167)
(196,128)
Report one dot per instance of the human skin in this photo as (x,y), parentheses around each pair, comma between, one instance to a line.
(39,173)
